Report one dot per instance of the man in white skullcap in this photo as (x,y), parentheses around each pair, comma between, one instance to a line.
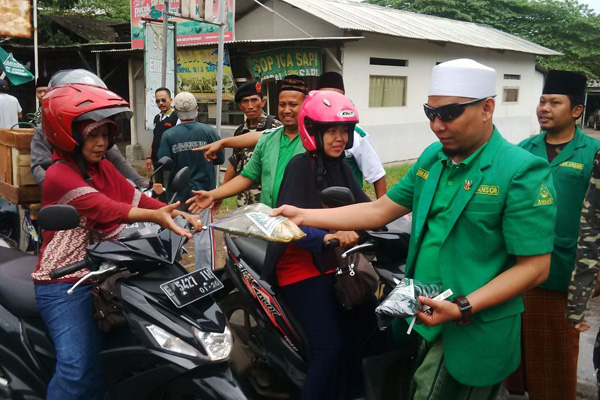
(483,217)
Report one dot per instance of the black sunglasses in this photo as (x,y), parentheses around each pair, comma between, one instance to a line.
(158,101)
(449,112)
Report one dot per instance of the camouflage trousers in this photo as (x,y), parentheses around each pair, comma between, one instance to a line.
(596,360)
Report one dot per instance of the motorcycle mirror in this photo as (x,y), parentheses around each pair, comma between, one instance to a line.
(58,217)
(337,196)
(165,162)
(180,181)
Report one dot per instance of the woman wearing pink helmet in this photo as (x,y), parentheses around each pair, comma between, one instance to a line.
(305,270)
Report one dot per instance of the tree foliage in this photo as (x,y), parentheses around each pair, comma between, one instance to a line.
(566,26)
(117,10)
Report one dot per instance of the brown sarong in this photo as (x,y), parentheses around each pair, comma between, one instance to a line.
(550,348)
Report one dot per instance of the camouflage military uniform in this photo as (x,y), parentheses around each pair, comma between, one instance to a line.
(587,265)
(240,157)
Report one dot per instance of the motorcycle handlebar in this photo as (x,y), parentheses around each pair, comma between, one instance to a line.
(68,269)
(332,243)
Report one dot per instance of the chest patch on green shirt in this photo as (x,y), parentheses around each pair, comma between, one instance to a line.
(422,173)
(544,197)
(488,190)
(571,164)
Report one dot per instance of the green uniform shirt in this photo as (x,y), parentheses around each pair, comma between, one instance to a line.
(427,264)
(571,171)
(267,165)
(503,208)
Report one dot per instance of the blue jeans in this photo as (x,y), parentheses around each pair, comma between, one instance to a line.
(77,340)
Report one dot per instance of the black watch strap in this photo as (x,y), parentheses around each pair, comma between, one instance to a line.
(465,309)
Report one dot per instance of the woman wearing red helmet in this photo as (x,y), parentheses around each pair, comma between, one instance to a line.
(79,121)
(305,270)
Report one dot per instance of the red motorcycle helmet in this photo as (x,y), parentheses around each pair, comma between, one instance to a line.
(64,105)
(320,110)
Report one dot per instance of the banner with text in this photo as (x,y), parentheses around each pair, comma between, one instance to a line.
(287,61)
(15,18)
(153,66)
(197,74)
(188,32)
(16,73)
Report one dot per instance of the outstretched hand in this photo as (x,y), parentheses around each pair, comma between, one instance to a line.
(164,219)
(193,220)
(441,311)
(290,212)
(200,201)
(211,150)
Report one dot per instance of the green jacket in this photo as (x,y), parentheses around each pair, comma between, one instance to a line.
(262,166)
(571,170)
(505,209)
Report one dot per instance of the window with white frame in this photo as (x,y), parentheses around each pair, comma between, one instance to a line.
(387,91)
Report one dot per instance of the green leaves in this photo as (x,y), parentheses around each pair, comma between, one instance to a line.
(562,25)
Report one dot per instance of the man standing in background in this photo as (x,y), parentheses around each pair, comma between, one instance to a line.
(164,120)
(249,99)
(10,109)
(551,342)
(177,143)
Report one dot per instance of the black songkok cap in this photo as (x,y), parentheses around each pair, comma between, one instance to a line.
(42,81)
(331,80)
(248,89)
(294,82)
(565,82)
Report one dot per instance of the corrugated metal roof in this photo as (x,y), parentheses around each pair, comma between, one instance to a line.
(357,16)
(302,39)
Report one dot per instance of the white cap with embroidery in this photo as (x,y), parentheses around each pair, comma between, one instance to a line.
(463,78)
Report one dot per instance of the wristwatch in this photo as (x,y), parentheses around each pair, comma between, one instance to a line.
(465,309)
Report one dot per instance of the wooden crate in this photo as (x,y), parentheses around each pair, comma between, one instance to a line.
(16,182)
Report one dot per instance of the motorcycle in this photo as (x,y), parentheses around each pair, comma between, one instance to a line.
(10,227)
(182,341)
(272,352)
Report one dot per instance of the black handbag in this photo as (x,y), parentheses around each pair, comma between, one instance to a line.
(355,281)
(109,312)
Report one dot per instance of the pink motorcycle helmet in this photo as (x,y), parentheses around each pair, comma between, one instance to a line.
(320,110)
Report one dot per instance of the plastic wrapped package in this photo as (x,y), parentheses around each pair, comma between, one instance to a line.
(402,301)
(254,221)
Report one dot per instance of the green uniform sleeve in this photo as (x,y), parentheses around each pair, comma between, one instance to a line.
(403,192)
(587,263)
(253,168)
(530,210)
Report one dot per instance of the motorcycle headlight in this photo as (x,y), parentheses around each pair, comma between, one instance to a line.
(217,345)
(171,342)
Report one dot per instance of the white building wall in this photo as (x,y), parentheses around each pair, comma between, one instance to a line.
(401,133)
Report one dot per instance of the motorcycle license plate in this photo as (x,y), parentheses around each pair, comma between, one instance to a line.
(191,287)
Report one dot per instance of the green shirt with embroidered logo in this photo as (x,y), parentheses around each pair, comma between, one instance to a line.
(272,154)
(427,264)
(571,170)
(503,208)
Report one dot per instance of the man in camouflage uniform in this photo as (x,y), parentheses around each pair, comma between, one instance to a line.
(249,99)
(583,285)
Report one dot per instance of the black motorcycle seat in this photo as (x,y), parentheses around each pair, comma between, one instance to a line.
(17,294)
(253,250)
